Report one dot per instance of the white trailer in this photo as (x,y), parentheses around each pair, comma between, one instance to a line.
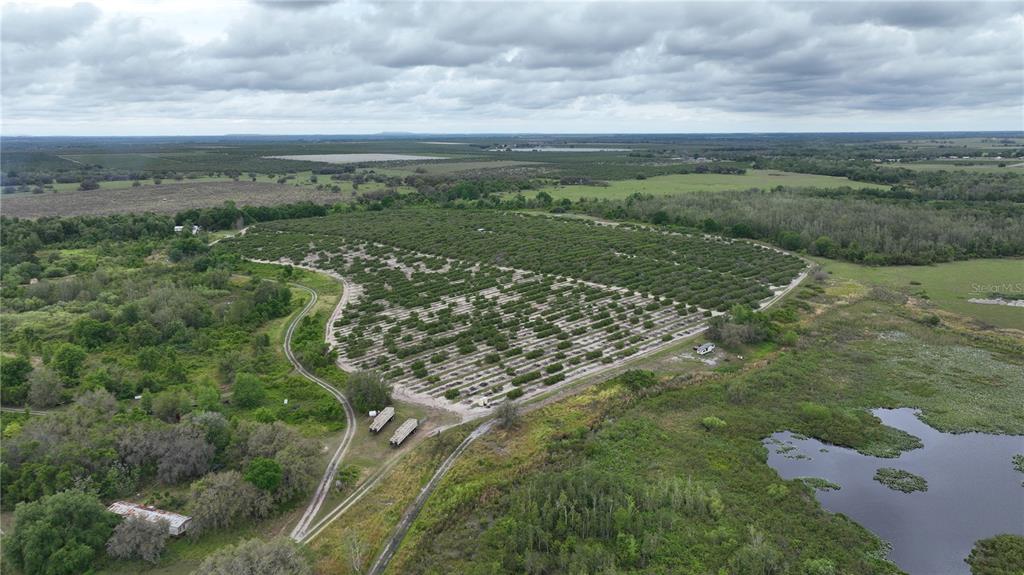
(382,419)
(176,523)
(403,431)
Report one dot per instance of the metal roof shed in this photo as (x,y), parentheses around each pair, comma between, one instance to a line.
(176,523)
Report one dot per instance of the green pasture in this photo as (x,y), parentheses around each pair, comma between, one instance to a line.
(950,285)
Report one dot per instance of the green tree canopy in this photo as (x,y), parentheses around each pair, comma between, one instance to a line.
(264,473)
(248,391)
(59,534)
(67,360)
(367,390)
(255,557)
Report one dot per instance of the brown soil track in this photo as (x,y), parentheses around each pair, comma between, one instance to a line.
(161,199)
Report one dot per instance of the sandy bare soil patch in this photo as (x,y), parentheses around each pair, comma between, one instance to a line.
(165,199)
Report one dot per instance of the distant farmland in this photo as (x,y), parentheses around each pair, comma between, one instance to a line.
(164,199)
(686,183)
(353,158)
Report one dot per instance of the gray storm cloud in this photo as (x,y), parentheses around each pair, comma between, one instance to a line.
(448,66)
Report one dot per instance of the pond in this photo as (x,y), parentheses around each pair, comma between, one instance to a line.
(557,149)
(553,149)
(973,491)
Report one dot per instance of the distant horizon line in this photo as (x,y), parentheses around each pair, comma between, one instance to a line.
(400,134)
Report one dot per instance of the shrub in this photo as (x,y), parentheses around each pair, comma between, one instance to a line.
(138,538)
(367,390)
(44,388)
(636,379)
(757,557)
(553,379)
(900,480)
(999,555)
(508,413)
(515,393)
(248,391)
(525,378)
(255,557)
(712,423)
(221,500)
(451,394)
(820,566)
(264,473)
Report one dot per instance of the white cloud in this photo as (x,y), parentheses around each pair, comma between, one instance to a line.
(322,67)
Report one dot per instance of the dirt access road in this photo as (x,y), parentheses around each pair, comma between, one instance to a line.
(300,529)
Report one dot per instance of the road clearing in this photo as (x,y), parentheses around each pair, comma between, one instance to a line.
(300,529)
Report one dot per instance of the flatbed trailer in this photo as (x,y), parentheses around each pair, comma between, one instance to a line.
(404,431)
(382,419)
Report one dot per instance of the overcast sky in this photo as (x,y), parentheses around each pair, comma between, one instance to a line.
(134,67)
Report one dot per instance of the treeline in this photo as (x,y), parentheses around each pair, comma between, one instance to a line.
(443,189)
(910,184)
(845,227)
(861,171)
(20,239)
(231,216)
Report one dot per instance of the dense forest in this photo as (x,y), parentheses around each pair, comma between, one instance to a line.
(874,231)
(159,379)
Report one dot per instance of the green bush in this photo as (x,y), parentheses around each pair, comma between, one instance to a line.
(636,379)
(999,555)
(248,391)
(712,423)
(900,480)
(264,473)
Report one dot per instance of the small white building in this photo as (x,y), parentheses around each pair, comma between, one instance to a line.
(177,523)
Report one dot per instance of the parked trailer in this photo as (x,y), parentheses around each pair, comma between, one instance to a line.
(382,419)
(403,431)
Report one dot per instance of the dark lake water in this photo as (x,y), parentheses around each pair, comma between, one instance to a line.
(973,490)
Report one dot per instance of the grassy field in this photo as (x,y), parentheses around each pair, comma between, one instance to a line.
(686,183)
(950,285)
(170,198)
(453,167)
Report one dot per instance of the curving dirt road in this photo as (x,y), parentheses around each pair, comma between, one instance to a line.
(301,528)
